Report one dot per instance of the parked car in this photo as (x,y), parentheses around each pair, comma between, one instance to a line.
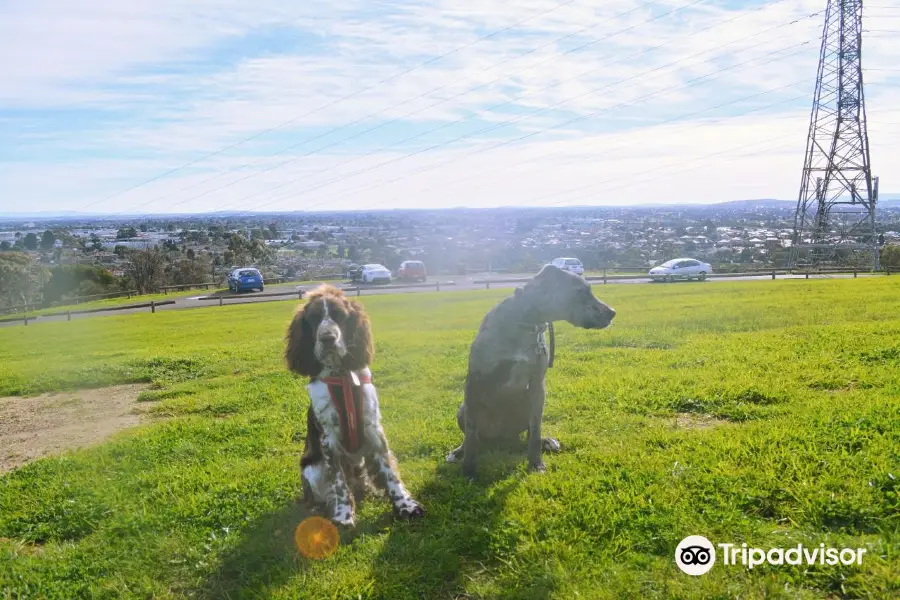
(354,272)
(412,270)
(245,278)
(375,273)
(680,268)
(573,265)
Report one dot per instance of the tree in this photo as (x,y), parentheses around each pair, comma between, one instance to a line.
(96,244)
(146,269)
(77,280)
(47,240)
(185,270)
(31,242)
(126,233)
(190,254)
(4,246)
(273,231)
(18,278)
(890,256)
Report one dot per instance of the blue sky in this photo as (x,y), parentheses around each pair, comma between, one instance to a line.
(349,104)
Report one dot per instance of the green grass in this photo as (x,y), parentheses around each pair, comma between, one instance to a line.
(135,299)
(797,383)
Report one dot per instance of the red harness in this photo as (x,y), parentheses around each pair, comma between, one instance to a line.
(346,397)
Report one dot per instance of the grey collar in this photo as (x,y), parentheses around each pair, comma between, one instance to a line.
(539,329)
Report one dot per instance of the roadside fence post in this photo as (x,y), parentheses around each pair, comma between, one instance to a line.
(68,315)
(152,306)
(220,300)
(438,286)
(773,273)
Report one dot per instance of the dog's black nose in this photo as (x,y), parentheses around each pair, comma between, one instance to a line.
(612,313)
(328,338)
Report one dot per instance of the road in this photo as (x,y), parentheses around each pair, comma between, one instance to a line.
(465,283)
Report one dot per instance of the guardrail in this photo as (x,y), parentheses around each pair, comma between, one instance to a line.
(74,300)
(299,292)
(188,286)
(773,273)
(437,285)
(26,318)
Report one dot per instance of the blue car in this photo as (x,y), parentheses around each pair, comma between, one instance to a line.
(245,279)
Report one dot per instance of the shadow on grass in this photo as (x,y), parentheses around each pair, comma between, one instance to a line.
(264,559)
(456,543)
(437,557)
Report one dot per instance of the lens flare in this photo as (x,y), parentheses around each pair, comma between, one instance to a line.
(316,538)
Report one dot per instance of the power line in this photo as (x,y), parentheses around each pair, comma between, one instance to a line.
(376,127)
(518,139)
(612,150)
(334,102)
(694,168)
(502,124)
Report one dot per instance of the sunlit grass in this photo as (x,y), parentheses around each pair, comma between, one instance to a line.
(759,412)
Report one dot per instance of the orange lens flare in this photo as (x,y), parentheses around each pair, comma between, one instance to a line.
(316,538)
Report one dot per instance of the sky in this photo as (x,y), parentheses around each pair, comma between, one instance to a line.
(166,106)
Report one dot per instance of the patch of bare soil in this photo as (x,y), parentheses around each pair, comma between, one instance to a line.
(696,421)
(31,428)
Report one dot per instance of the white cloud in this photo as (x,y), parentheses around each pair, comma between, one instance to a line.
(166,82)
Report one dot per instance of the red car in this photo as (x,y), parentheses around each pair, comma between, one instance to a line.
(412,270)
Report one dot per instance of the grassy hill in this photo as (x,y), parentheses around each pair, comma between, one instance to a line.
(759,412)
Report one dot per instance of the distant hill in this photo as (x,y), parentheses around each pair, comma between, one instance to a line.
(888,201)
(761,203)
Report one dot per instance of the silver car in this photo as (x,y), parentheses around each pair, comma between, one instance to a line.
(375,273)
(680,268)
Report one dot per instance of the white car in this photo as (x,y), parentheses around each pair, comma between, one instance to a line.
(572,265)
(680,268)
(375,273)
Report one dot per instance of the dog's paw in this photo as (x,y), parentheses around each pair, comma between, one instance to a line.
(537,467)
(347,522)
(551,445)
(409,509)
(455,455)
(343,517)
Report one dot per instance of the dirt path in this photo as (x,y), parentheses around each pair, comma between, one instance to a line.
(31,428)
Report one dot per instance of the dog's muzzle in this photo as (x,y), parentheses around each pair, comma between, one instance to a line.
(329,341)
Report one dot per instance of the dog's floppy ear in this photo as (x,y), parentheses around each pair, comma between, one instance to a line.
(301,345)
(358,329)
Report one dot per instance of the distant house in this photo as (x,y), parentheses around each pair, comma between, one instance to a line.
(310,245)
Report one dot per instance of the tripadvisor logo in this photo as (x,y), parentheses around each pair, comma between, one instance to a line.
(696,555)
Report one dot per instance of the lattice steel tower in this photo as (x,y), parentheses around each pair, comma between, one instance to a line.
(835,216)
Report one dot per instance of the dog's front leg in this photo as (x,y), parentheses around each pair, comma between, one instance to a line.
(536,399)
(337,492)
(382,469)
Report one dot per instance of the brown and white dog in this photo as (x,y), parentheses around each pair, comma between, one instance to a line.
(330,341)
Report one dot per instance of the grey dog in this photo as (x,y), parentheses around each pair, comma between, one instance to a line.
(504,391)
